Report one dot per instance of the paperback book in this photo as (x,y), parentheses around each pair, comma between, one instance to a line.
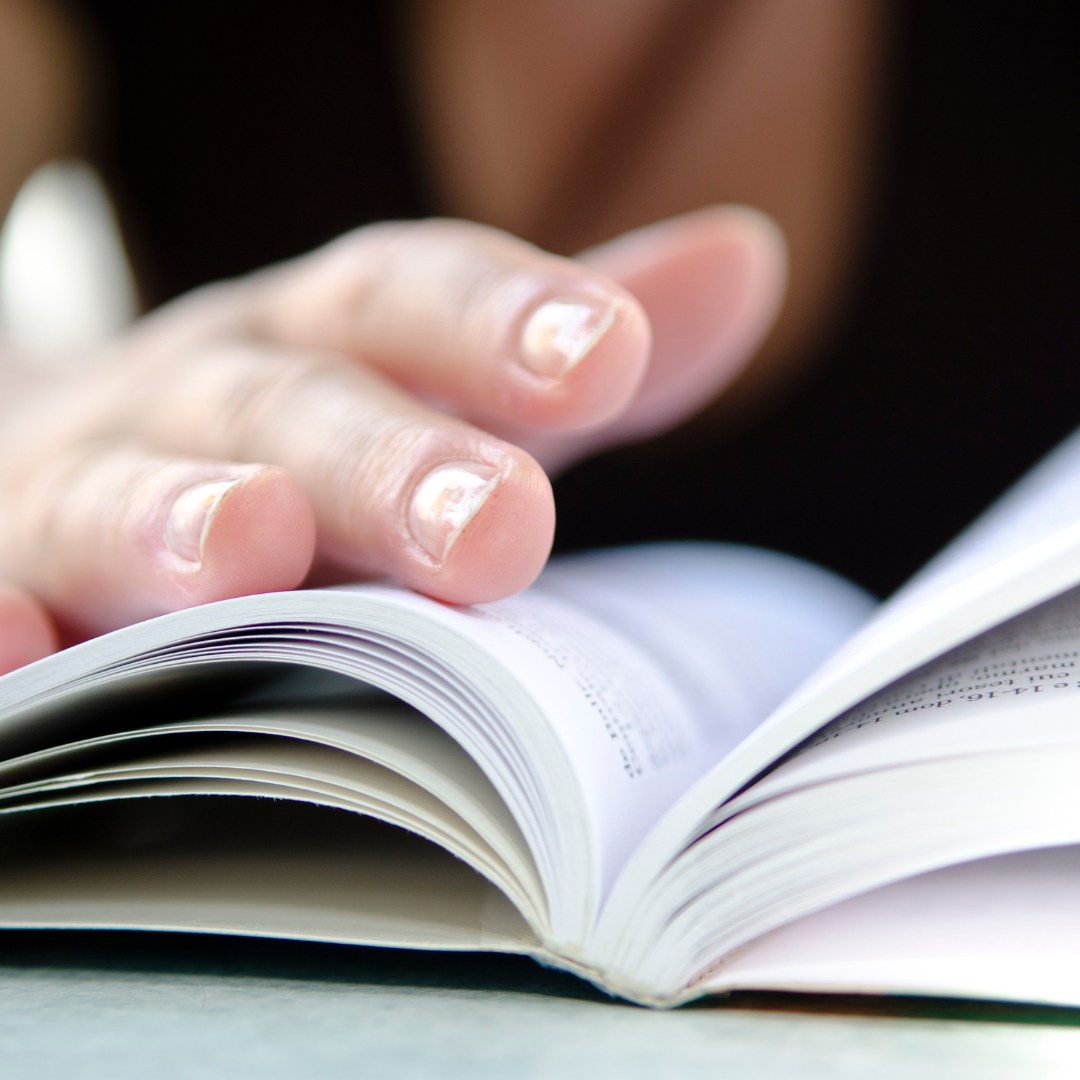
(674,770)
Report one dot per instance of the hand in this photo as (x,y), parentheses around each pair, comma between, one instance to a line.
(341,411)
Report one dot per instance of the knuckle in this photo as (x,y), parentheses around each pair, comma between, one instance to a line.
(346,433)
(78,498)
(229,399)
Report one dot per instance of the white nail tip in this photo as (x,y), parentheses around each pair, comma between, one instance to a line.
(190,517)
(444,503)
(561,333)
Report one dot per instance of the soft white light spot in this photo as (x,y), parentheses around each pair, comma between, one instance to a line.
(65,282)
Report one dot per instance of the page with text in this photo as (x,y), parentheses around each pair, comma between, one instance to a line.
(1024,550)
(1014,687)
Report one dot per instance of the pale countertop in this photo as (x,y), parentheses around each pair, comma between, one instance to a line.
(140,1005)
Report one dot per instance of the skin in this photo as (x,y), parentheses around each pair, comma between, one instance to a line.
(328,388)
(556,122)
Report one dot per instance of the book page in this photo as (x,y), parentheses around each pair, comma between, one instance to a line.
(1042,505)
(587,724)
(735,628)
(1025,549)
(1015,686)
(297,755)
(675,651)
(1022,551)
(820,845)
(234,865)
(1003,928)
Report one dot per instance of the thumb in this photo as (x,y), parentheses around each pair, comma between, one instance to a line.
(712,282)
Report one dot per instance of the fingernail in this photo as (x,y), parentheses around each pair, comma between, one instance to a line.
(561,333)
(445,501)
(190,516)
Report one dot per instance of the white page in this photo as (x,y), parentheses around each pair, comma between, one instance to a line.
(641,633)
(437,658)
(340,887)
(387,733)
(1015,686)
(820,845)
(736,628)
(1004,928)
(377,729)
(566,696)
(274,767)
(1024,550)
(562,697)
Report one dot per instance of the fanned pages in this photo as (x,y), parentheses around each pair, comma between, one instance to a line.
(675,770)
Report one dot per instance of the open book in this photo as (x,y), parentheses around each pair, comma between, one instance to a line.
(675,770)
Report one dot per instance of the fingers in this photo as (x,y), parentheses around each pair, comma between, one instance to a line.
(712,283)
(397,488)
(26,631)
(469,315)
(402,490)
(110,534)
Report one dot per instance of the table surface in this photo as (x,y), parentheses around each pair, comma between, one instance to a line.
(78,1004)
